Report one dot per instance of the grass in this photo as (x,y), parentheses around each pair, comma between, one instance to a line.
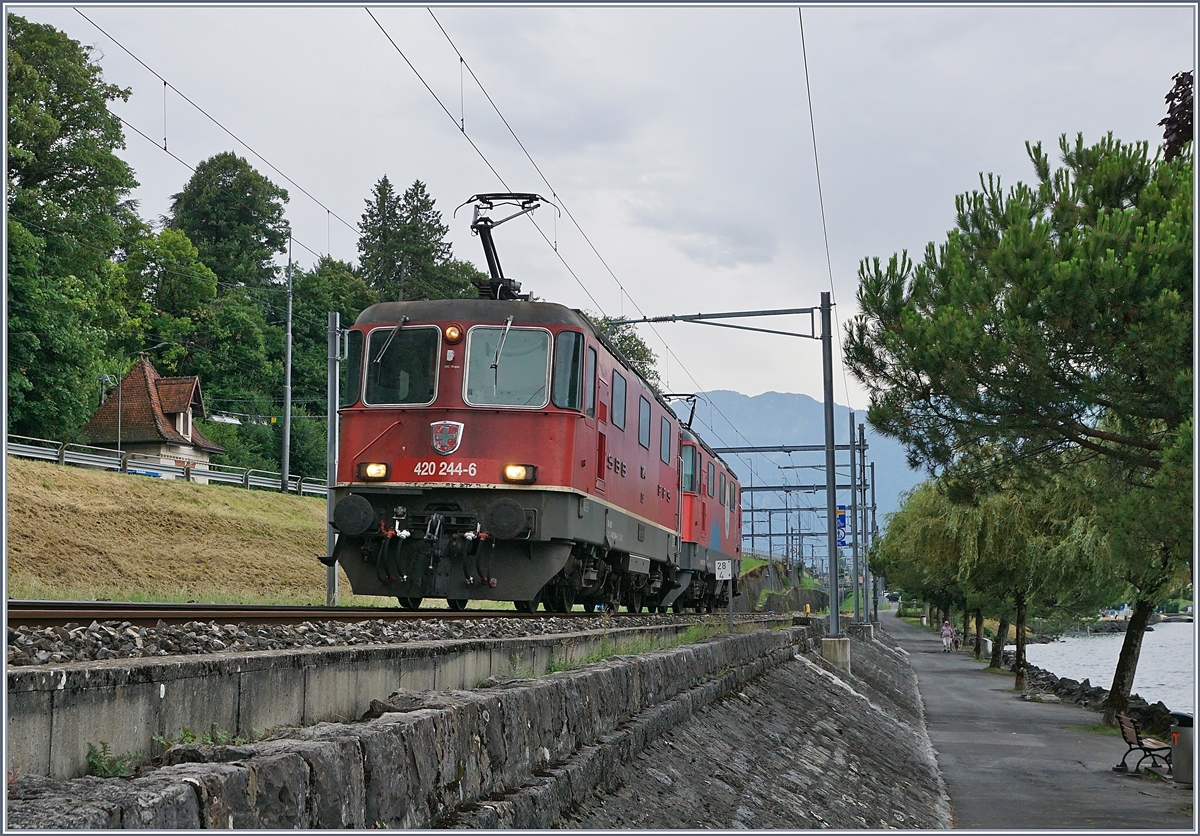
(79,534)
(749,564)
(1096,728)
(639,644)
(1001,671)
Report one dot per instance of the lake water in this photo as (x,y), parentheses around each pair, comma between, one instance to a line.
(1166,668)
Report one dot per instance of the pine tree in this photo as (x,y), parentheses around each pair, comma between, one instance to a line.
(403,250)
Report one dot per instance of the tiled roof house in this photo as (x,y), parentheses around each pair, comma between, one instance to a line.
(156,418)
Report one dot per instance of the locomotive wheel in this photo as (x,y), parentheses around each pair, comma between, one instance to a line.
(564,598)
(589,606)
(677,607)
(662,609)
(529,606)
(457,604)
(635,602)
(410,603)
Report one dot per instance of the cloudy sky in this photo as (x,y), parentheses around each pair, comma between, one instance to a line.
(678,138)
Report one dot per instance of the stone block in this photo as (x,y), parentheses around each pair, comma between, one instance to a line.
(223,790)
(278,788)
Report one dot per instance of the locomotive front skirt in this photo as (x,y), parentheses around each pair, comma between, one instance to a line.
(504,450)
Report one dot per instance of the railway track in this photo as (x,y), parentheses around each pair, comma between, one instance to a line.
(50,613)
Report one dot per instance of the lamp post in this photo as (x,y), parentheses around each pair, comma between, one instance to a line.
(121,389)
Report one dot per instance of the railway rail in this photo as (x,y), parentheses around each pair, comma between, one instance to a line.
(50,613)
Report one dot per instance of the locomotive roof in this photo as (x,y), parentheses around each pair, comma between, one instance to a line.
(488,310)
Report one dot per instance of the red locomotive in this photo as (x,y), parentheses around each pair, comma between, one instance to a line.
(502,449)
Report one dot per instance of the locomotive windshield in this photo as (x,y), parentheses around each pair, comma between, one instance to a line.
(402,365)
(508,366)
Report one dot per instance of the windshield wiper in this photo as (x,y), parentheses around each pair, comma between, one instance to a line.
(500,348)
(391,336)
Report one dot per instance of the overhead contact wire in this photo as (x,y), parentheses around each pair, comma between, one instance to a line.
(821,199)
(352,227)
(670,353)
(482,156)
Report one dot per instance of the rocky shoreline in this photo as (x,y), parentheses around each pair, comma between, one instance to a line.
(1044,686)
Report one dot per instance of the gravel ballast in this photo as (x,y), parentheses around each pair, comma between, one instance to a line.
(122,640)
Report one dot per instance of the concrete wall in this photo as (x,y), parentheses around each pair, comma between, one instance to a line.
(439,763)
(54,713)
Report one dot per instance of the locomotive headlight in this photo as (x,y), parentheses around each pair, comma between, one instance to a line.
(521,473)
(372,471)
(453,333)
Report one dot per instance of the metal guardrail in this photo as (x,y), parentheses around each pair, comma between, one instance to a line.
(104,458)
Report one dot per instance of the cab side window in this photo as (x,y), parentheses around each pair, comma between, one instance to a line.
(644,422)
(712,478)
(722,488)
(688,454)
(664,442)
(617,412)
(589,377)
(567,354)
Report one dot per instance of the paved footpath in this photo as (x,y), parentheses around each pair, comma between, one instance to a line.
(1014,765)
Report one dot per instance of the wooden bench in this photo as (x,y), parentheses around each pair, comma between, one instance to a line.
(1151,748)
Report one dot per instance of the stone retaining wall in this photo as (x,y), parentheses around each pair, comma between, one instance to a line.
(441,757)
(54,713)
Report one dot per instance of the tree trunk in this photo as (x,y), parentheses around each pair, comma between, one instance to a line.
(966,624)
(1131,649)
(998,644)
(978,634)
(1019,662)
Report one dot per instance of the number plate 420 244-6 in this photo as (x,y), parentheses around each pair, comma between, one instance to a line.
(445,468)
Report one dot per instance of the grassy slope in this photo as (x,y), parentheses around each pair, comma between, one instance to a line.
(75,533)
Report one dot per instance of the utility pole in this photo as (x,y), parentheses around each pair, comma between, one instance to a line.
(862,505)
(331,452)
(835,624)
(874,534)
(285,476)
(854,542)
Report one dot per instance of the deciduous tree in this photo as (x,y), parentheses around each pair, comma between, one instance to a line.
(65,184)
(234,217)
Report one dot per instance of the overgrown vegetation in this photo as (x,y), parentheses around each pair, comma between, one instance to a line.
(103,763)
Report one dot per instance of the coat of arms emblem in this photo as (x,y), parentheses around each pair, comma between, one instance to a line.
(446,436)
